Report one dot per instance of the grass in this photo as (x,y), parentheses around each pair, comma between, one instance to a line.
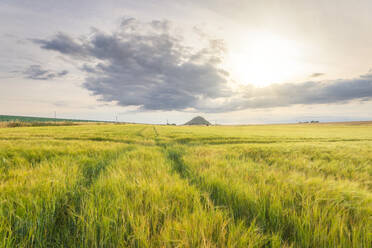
(163,186)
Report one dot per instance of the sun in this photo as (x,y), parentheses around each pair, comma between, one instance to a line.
(265,59)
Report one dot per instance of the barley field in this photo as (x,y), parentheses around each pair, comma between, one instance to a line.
(129,185)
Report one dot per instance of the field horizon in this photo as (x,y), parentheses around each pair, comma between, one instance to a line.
(24,118)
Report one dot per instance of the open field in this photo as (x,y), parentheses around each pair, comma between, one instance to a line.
(13,118)
(27,121)
(166,186)
(6,124)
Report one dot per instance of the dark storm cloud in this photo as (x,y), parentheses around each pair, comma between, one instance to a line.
(143,64)
(148,65)
(36,72)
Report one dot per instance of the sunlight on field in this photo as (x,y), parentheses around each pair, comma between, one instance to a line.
(167,186)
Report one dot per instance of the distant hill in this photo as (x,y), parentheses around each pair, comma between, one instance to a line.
(198,121)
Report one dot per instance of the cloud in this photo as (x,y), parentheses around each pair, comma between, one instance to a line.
(317,74)
(144,64)
(306,93)
(63,44)
(152,67)
(37,73)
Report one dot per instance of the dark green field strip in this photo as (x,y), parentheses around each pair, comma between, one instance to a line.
(48,218)
(35,119)
(298,213)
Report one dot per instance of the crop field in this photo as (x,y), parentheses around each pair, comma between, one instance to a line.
(130,185)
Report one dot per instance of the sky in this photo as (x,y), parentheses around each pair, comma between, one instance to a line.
(233,62)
